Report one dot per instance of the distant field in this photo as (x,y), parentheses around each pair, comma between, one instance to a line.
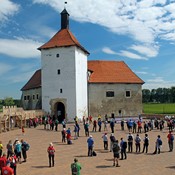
(151,108)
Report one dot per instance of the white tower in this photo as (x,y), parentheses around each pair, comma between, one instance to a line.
(64,74)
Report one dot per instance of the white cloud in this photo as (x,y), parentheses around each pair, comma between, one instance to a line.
(131,55)
(20,48)
(7,9)
(156,80)
(145,21)
(148,51)
(4,68)
(107,50)
(141,72)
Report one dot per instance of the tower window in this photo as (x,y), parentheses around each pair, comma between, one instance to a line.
(128,94)
(110,94)
(57,55)
(33,97)
(28,97)
(25,97)
(61,90)
(37,96)
(58,71)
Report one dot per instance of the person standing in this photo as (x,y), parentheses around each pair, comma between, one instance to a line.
(90,142)
(13,163)
(7,170)
(158,145)
(94,126)
(63,133)
(112,124)
(130,142)
(105,141)
(123,146)
(3,161)
(137,143)
(25,147)
(170,141)
(51,154)
(18,150)
(75,167)
(86,128)
(1,148)
(122,125)
(145,143)
(99,124)
(9,148)
(112,139)
(116,152)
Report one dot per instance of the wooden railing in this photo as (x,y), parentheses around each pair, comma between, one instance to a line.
(17,117)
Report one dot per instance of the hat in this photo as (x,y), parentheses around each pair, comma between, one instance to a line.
(51,144)
(90,136)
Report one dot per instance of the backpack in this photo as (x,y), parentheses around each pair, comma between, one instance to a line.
(116,148)
(94,153)
(137,139)
(124,145)
(27,146)
(160,142)
(74,169)
(172,137)
(130,138)
(146,141)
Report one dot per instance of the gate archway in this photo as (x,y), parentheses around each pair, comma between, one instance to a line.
(60,111)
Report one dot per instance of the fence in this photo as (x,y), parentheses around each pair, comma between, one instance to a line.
(17,117)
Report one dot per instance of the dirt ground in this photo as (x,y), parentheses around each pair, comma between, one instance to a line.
(102,164)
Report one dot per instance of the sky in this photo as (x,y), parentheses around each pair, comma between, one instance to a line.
(139,32)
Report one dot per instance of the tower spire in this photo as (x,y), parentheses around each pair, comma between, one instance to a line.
(64,18)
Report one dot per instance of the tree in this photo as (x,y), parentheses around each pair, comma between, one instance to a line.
(8,101)
(146,95)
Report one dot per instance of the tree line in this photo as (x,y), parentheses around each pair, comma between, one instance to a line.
(159,95)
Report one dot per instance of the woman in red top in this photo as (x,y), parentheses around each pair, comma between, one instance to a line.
(51,153)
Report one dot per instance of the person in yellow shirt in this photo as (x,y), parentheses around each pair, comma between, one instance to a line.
(1,148)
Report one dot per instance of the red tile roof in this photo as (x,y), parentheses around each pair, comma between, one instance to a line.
(112,72)
(62,38)
(34,82)
(101,72)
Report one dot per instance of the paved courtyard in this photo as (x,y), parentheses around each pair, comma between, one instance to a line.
(102,164)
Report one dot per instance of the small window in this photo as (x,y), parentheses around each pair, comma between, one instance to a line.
(28,97)
(110,94)
(37,96)
(33,97)
(61,91)
(25,98)
(128,94)
(57,55)
(58,71)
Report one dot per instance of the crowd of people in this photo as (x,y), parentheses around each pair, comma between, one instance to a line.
(11,156)
(119,146)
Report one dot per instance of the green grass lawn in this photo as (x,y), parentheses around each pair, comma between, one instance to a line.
(151,108)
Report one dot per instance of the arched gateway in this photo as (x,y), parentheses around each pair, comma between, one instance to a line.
(60,111)
(58,108)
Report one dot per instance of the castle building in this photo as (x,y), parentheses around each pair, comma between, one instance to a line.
(68,85)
